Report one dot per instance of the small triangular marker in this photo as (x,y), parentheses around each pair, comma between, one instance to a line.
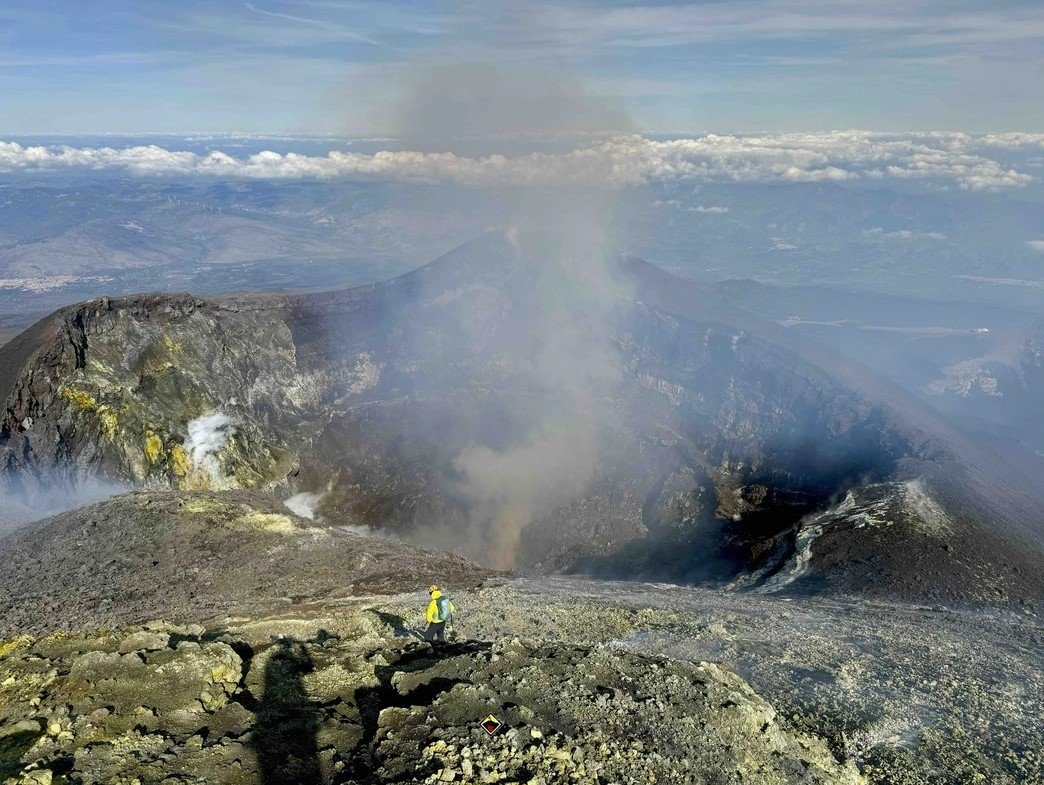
(491,724)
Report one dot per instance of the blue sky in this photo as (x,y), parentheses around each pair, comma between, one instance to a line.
(299,66)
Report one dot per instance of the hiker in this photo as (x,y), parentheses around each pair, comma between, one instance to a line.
(440,613)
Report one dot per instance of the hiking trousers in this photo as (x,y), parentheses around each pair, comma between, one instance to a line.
(436,631)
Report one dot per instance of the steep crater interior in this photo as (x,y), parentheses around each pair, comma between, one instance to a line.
(460,407)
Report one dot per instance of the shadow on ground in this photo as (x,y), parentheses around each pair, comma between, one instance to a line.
(287,722)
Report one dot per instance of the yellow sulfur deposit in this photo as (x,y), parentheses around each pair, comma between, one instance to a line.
(174,347)
(98,368)
(153,446)
(108,421)
(196,480)
(88,403)
(272,522)
(79,397)
(8,646)
(180,463)
(203,507)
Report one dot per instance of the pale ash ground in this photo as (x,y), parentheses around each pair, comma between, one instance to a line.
(598,682)
(909,694)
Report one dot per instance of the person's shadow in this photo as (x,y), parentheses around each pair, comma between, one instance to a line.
(285,731)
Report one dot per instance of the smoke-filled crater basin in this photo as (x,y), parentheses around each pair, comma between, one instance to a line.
(529,411)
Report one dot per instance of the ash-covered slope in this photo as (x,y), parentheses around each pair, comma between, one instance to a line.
(190,556)
(848,548)
(503,404)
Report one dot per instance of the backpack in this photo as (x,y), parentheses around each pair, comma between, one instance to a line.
(442,608)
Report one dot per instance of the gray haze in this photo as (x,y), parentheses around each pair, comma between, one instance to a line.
(18,509)
(565,234)
(463,107)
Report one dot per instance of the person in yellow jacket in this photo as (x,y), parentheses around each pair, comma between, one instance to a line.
(440,613)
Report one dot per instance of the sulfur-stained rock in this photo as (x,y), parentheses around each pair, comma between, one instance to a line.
(351,701)
(339,681)
(144,641)
(225,763)
(339,735)
(118,760)
(38,777)
(170,690)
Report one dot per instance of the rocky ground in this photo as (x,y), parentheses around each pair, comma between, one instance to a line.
(185,556)
(910,694)
(344,698)
(596,682)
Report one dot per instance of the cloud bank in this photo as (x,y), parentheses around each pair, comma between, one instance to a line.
(950,159)
(902,234)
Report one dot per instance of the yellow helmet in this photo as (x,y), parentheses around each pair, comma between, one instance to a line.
(432,589)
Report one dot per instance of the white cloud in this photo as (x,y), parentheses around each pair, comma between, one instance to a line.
(712,210)
(1035,245)
(946,158)
(902,234)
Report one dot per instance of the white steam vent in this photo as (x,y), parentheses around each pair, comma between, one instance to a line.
(305,504)
(206,436)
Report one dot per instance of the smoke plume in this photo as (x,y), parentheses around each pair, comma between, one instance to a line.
(305,504)
(465,107)
(570,365)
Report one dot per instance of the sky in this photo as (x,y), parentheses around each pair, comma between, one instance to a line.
(321,66)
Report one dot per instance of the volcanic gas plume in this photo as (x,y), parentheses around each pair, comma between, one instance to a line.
(565,235)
